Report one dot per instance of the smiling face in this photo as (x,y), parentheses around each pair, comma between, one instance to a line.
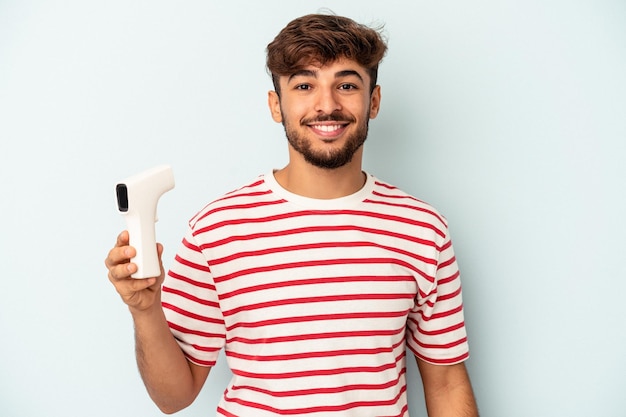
(325,111)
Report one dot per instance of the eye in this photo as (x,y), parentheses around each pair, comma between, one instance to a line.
(303,87)
(347,87)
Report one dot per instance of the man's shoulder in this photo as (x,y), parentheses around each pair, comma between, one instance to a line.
(388,195)
(248,195)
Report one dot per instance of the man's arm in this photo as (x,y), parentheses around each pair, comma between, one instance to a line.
(447,390)
(171,380)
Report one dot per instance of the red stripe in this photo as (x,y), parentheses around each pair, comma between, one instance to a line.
(238,206)
(403,412)
(446,361)
(305,213)
(320,245)
(207,348)
(320,372)
(313,229)
(443,297)
(442,281)
(224,412)
(311,300)
(319,409)
(239,194)
(317,317)
(191,315)
(190,297)
(316,336)
(440,345)
(185,330)
(329,390)
(192,265)
(442,314)
(385,185)
(253,185)
(437,332)
(407,206)
(317,281)
(200,362)
(323,262)
(321,354)
(446,263)
(446,245)
(447,313)
(190,245)
(199,284)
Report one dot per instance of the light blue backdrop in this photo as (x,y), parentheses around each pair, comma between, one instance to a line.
(509,116)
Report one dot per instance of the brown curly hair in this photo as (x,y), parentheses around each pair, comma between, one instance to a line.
(323,39)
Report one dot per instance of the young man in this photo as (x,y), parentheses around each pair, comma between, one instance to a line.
(313,278)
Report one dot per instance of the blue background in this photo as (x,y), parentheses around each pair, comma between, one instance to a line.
(508,116)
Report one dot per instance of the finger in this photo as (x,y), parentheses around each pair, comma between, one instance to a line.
(133,291)
(120,252)
(119,255)
(122,271)
(160,254)
(122,238)
(134,285)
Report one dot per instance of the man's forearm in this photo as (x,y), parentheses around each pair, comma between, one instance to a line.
(164,369)
(456,401)
(447,390)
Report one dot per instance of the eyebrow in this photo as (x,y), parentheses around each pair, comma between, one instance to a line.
(339,74)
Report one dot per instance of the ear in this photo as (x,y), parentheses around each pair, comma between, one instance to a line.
(273,102)
(375,102)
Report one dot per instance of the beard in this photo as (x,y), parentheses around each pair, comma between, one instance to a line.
(333,158)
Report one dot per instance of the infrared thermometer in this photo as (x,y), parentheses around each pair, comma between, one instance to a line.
(137,199)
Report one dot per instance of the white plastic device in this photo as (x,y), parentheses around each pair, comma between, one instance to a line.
(137,199)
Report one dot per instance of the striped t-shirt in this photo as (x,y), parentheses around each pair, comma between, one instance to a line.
(315,301)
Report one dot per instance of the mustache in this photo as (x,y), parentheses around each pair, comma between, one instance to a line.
(336,116)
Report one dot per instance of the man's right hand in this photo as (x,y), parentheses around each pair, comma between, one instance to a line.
(138,294)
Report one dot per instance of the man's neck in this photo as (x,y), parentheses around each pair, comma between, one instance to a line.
(302,178)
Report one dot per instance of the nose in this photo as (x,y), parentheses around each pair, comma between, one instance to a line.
(327,101)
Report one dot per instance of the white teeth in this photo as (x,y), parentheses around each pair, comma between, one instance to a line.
(327,128)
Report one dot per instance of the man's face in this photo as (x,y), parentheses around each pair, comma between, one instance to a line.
(326,111)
